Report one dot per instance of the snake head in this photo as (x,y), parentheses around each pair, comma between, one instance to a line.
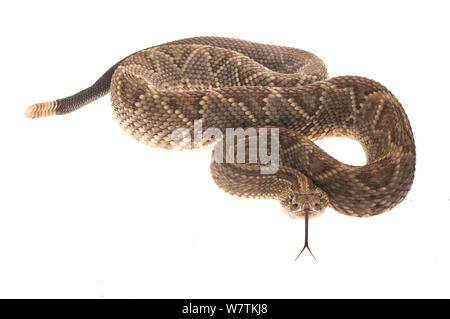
(295,203)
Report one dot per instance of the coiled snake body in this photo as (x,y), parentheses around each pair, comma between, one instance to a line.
(234,83)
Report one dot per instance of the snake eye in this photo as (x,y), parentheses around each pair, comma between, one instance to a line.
(319,195)
(291,197)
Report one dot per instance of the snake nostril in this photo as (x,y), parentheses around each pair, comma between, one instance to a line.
(295,206)
(316,204)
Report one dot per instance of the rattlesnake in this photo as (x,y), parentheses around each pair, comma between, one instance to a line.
(233,83)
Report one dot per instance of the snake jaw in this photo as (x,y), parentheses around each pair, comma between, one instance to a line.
(301,213)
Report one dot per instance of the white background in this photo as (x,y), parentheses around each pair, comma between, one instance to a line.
(86,211)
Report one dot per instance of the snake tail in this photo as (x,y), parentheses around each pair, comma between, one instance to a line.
(72,103)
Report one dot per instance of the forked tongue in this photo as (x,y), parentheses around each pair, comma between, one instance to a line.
(306,246)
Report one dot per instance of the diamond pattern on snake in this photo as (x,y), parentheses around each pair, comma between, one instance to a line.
(224,83)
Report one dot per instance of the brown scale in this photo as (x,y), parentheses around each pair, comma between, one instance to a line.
(230,83)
